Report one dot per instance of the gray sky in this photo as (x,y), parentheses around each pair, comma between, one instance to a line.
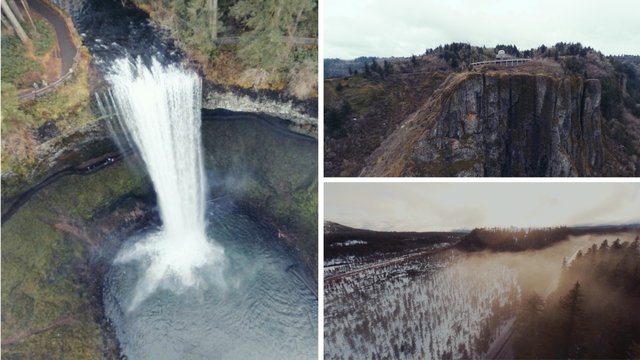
(448,206)
(355,28)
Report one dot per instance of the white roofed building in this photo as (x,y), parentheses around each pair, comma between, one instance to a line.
(503,55)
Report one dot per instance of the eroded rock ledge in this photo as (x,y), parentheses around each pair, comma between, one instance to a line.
(302,115)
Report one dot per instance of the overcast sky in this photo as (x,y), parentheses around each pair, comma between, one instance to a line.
(448,206)
(385,28)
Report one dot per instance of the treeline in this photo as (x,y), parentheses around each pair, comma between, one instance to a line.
(459,56)
(374,69)
(334,68)
(511,239)
(499,239)
(379,241)
(593,313)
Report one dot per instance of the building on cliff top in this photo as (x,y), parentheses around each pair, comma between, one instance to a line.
(502,59)
(503,56)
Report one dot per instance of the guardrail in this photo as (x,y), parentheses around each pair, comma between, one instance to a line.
(504,62)
(36,93)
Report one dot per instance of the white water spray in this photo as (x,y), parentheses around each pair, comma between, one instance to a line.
(160,109)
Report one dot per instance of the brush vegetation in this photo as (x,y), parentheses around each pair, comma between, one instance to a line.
(261,51)
(48,309)
(66,108)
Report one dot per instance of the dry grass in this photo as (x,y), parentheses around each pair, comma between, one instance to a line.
(19,147)
(358,91)
(303,80)
(256,77)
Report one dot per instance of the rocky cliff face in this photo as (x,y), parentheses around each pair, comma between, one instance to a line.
(500,124)
(57,153)
(301,115)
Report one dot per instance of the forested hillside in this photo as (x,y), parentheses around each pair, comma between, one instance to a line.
(593,314)
(247,43)
(515,239)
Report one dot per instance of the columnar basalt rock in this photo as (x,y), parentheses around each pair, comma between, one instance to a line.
(496,124)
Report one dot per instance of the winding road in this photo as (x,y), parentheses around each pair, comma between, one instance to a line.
(67,51)
(65,42)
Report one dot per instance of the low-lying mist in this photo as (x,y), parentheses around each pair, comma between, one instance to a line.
(539,270)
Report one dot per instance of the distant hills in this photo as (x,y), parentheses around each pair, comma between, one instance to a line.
(344,240)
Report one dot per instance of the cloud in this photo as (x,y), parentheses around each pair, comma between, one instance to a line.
(447,206)
(401,28)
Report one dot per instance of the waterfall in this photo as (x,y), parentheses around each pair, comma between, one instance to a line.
(159,106)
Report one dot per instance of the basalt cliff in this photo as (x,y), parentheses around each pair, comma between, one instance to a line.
(540,119)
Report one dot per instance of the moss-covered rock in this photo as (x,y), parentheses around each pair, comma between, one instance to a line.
(49,309)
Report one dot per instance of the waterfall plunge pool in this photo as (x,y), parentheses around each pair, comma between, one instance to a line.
(262,310)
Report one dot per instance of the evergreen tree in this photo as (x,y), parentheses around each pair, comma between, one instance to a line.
(345,109)
(572,305)
(387,68)
(272,22)
(526,340)
(376,68)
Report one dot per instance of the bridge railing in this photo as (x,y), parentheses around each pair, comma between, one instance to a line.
(503,62)
(36,93)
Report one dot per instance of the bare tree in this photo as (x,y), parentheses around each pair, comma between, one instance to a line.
(16,10)
(14,23)
(6,24)
(213,18)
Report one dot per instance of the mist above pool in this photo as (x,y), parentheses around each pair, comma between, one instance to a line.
(159,106)
(263,311)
